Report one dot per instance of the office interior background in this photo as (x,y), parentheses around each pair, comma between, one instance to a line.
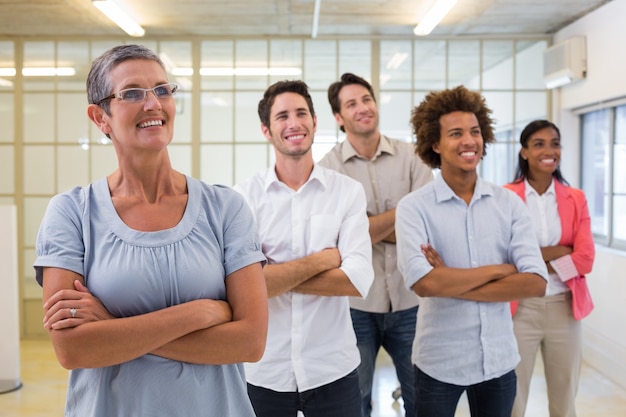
(224,59)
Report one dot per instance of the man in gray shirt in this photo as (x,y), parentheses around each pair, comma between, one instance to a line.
(388,169)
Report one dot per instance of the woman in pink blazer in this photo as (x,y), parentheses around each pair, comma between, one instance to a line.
(563,229)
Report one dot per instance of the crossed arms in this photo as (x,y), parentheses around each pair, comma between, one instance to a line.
(201,331)
(501,282)
(382,227)
(316,274)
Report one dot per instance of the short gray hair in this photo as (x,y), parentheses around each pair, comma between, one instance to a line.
(99,84)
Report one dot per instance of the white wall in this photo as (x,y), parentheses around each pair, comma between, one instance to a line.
(606,61)
(603,330)
(604,29)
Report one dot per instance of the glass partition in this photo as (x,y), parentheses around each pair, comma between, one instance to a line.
(49,145)
(217,61)
(320,63)
(529,64)
(396,72)
(430,60)
(464,64)
(619,177)
(497,65)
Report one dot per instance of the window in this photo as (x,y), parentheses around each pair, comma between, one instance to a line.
(604,173)
(618,230)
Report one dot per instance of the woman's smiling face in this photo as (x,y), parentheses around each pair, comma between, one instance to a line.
(145,124)
(543,152)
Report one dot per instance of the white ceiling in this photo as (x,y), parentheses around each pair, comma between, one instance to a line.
(184,18)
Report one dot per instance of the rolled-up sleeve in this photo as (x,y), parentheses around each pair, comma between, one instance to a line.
(60,237)
(354,242)
(580,261)
(524,250)
(410,235)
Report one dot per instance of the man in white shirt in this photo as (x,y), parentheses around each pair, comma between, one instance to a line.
(314,233)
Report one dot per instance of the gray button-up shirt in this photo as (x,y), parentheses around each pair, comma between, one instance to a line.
(394,171)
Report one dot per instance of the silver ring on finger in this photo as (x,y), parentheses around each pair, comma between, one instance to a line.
(73,312)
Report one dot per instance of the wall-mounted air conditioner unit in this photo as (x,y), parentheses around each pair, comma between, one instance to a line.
(565,62)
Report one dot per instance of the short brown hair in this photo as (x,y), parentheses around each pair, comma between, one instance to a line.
(427,128)
(346,79)
(288,86)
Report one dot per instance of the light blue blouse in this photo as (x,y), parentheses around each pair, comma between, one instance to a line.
(135,272)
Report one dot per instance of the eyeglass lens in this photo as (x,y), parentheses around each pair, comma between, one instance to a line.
(139,94)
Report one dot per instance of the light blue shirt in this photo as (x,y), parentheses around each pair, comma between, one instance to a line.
(135,272)
(458,341)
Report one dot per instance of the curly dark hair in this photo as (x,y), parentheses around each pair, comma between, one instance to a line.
(346,79)
(288,86)
(425,119)
(522,170)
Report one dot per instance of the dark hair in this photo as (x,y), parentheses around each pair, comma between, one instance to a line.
(280,87)
(334,89)
(427,128)
(522,170)
(99,84)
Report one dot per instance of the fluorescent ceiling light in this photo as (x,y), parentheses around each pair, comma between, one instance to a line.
(119,17)
(316,18)
(49,72)
(250,71)
(40,72)
(181,71)
(432,18)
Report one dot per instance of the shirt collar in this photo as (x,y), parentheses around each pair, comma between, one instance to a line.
(384,146)
(529,190)
(443,191)
(317,175)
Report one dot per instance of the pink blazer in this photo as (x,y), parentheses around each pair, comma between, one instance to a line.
(575,226)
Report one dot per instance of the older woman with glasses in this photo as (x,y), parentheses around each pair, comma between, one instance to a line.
(152,281)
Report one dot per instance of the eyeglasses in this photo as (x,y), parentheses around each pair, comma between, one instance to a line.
(138,95)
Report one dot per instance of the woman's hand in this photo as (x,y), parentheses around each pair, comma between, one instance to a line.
(217,311)
(71,308)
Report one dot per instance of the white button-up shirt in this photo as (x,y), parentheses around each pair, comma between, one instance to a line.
(547,223)
(310,340)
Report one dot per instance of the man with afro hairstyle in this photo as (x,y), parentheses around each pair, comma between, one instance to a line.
(466,247)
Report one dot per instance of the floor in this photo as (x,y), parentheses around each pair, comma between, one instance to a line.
(45,382)
(597,395)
